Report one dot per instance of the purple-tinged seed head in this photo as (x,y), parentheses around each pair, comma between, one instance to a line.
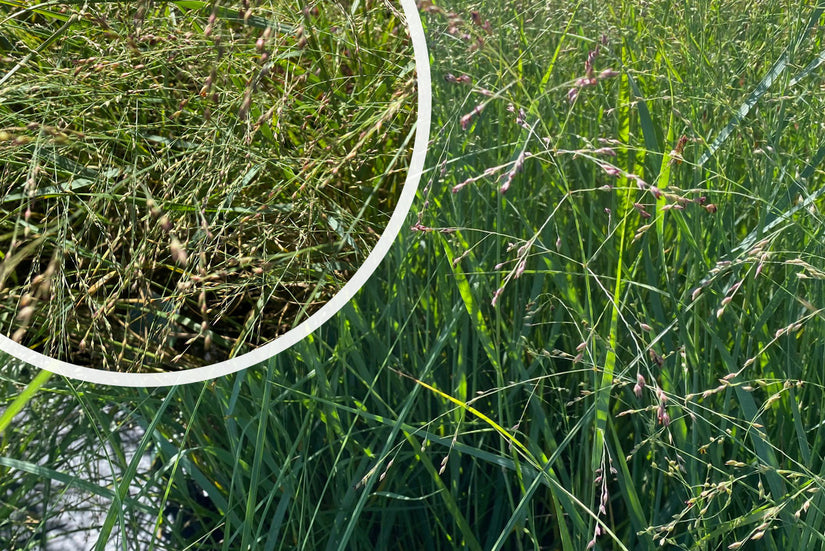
(641,184)
(662,416)
(465,120)
(639,386)
(641,210)
(758,269)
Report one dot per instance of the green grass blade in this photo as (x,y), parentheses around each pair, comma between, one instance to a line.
(20,402)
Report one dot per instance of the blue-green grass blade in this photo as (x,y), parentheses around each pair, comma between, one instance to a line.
(72,481)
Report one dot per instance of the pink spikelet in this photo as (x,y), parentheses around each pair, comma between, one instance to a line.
(639,386)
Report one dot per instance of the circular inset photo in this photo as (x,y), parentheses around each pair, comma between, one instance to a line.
(185,183)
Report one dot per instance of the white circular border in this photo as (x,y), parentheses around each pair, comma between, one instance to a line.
(399,216)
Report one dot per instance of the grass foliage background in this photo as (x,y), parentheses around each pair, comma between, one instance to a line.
(623,350)
(182,181)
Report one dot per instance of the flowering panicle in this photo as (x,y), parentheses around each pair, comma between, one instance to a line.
(489,172)
(468,118)
(604,497)
(462,79)
(590,78)
(517,166)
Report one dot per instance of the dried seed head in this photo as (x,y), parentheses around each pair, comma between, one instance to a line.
(25,314)
(243,112)
(178,251)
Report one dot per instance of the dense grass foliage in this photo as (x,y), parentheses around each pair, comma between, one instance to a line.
(603,330)
(183,181)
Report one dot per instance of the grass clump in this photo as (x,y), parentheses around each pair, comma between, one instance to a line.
(184,181)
